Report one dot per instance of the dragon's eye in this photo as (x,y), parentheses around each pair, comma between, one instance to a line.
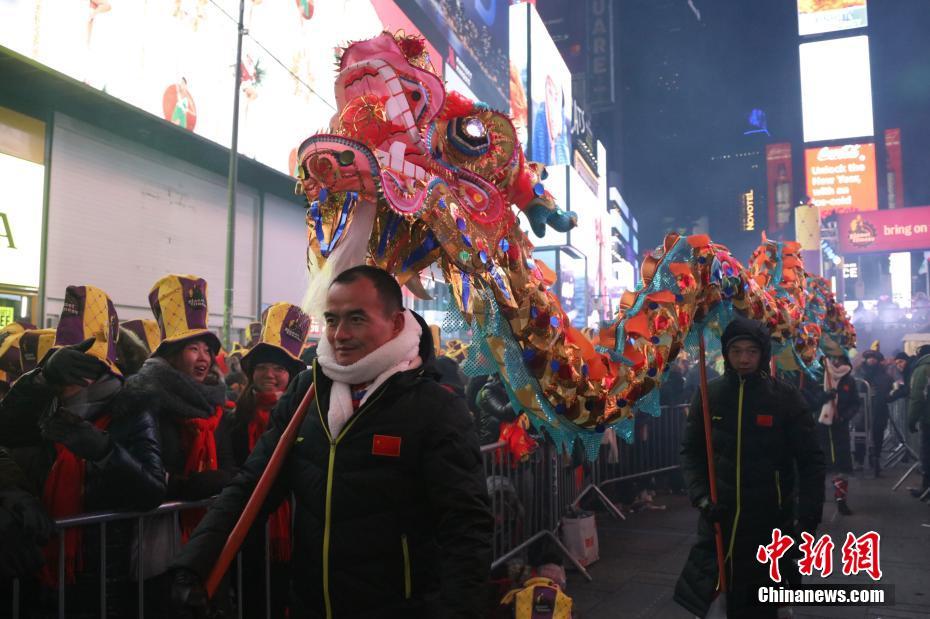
(474,128)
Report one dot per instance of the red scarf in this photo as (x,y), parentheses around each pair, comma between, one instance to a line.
(198,436)
(279,523)
(63,496)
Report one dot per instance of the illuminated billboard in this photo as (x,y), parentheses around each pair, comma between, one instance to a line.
(836,89)
(818,16)
(539,68)
(902,229)
(20,221)
(474,38)
(177,60)
(841,179)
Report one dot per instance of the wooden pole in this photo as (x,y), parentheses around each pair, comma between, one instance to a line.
(711,468)
(259,494)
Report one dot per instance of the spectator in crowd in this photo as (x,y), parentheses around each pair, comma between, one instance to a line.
(81,442)
(391,509)
(450,375)
(873,371)
(837,403)
(693,379)
(236,384)
(10,365)
(494,408)
(672,391)
(902,372)
(193,418)
(271,364)
(766,453)
(918,412)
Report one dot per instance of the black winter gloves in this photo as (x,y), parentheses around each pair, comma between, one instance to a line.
(81,437)
(712,512)
(71,366)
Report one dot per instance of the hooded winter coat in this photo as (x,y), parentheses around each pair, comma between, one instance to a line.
(760,431)
(397,532)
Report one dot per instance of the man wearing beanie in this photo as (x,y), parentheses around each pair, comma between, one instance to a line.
(766,454)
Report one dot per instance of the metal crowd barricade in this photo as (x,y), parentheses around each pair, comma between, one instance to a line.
(528,498)
(865,415)
(103,520)
(655,449)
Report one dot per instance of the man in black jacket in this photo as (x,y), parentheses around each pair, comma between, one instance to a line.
(760,431)
(874,372)
(391,504)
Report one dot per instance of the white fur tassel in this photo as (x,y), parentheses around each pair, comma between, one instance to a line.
(351,251)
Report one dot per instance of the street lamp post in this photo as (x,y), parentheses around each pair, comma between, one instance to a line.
(231,189)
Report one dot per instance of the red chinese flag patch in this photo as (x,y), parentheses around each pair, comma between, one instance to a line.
(382,445)
(764,420)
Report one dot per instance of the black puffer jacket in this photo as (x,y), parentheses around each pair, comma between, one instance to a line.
(393,536)
(761,429)
(175,398)
(130,478)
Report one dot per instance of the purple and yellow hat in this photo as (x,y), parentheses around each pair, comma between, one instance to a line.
(89,313)
(146,329)
(456,350)
(9,346)
(284,332)
(253,334)
(179,303)
(34,345)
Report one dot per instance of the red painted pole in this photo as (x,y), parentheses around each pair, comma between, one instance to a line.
(259,494)
(711,468)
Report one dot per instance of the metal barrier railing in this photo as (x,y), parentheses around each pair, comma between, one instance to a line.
(528,499)
(103,521)
(860,426)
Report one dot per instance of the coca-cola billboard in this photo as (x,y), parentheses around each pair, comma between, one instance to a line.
(841,179)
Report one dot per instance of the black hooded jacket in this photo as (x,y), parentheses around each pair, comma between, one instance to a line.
(760,430)
(399,532)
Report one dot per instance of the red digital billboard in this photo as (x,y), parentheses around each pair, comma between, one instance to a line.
(841,179)
(880,231)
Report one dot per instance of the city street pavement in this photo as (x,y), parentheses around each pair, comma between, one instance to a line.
(641,557)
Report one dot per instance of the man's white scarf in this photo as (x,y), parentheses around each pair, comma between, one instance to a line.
(396,355)
(832,374)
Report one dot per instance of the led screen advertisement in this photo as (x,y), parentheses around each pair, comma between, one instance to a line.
(836,89)
(841,179)
(177,60)
(474,38)
(819,16)
(880,231)
(550,96)
(539,69)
